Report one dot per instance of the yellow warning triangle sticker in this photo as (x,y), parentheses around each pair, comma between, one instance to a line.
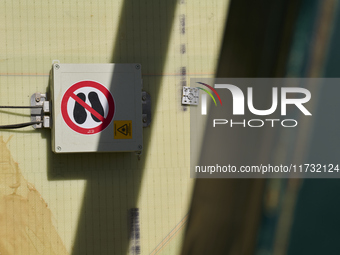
(122,129)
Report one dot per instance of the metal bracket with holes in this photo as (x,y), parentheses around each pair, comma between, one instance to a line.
(190,96)
(38,114)
(146,109)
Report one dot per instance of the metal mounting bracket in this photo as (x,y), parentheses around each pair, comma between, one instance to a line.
(146,109)
(190,96)
(40,114)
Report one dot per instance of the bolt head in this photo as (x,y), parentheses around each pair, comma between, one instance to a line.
(140,147)
(57,66)
(190,96)
(59,148)
(137,67)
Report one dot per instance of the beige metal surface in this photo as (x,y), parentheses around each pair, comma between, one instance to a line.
(78,204)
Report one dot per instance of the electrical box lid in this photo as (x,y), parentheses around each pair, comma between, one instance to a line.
(96,108)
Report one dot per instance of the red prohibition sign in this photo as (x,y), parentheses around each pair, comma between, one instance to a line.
(104,122)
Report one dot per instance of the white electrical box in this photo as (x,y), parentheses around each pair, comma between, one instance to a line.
(96,108)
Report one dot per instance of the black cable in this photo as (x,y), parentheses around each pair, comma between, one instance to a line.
(20,125)
(33,106)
